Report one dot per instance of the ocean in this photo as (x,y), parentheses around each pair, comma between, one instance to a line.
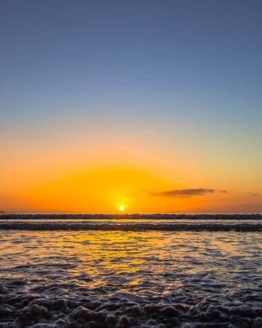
(131,271)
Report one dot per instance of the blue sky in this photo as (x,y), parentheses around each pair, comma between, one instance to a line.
(178,55)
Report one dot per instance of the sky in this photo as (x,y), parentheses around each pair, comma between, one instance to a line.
(152,105)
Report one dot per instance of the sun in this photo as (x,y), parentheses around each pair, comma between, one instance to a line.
(122,208)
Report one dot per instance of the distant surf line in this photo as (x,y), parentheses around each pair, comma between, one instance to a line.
(47,226)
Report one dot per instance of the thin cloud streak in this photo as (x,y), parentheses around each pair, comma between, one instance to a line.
(254,194)
(184,192)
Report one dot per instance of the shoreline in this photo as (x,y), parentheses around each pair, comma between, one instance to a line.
(40,311)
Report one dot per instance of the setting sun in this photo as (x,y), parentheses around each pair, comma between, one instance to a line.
(122,208)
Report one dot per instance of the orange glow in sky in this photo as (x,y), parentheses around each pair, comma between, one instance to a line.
(119,188)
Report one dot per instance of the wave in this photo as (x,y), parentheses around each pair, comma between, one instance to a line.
(136,226)
(160,216)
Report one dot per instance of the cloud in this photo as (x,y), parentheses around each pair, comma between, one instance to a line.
(184,192)
(254,194)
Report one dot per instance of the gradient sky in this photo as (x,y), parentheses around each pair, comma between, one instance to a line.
(156,105)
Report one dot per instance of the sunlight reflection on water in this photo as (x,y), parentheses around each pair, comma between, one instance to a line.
(153,264)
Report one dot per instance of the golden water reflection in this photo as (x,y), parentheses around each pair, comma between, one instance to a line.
(166,264)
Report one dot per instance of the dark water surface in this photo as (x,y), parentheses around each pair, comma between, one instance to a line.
(135,222)
(131,278)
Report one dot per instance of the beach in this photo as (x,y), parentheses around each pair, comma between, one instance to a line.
(130,278)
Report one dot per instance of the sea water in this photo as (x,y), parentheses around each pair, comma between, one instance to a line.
(150,278)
